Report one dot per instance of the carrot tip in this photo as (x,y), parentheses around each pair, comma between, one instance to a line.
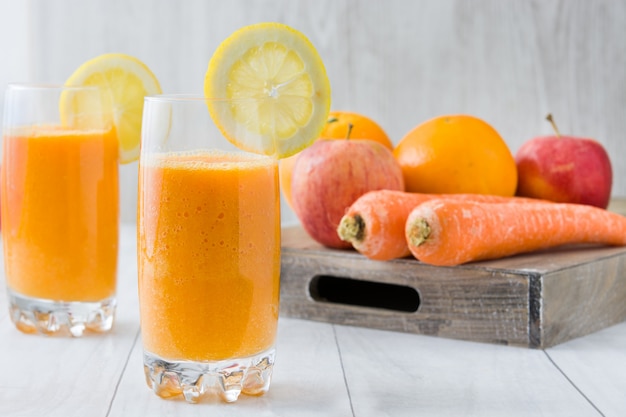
(351,228)
(419,231)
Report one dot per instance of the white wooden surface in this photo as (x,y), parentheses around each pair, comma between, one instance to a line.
(321,370)
(399,61)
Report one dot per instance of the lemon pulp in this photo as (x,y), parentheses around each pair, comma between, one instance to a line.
(277,90)
(125,81)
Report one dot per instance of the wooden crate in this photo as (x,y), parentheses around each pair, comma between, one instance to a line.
(535,300)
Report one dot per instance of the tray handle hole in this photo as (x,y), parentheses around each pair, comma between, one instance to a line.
(356,292)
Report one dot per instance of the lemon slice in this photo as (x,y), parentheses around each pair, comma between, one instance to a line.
(278,90)
(126,81)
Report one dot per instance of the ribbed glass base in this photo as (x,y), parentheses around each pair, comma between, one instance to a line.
(55,318)
(228,378)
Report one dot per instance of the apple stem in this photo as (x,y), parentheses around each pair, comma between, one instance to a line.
(350,126)
(551,120)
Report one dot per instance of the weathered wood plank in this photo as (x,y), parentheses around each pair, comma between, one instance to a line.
(595,365)
(59,376)
(454,303)
(395,374)
(400,62)
(583,299)
(307,381)
(535,300)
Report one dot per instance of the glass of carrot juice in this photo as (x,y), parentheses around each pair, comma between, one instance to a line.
(60,210)
(208,254)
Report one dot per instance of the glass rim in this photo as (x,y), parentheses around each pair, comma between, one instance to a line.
(193,97)
(48,86)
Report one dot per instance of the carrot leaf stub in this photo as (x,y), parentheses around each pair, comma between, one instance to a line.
(418,232)
(351,228)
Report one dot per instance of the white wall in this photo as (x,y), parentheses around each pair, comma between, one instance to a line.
(398,61)
(15,51)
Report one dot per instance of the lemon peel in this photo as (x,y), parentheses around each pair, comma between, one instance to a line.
(126,81)
(275,86)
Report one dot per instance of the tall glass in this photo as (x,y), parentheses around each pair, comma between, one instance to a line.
(60,210)
(208,254)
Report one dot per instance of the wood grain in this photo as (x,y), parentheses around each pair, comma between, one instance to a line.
(398,61)
(590,369)
(534,300)
(580,300)
(307,362)
(322,369)
(89,367)
(392,374)
(453,301)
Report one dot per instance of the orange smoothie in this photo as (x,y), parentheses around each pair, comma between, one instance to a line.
(209,255)
(60,211)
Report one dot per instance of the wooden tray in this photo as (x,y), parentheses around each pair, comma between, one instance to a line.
(536,300)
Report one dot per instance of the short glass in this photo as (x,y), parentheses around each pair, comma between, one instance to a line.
(208,254)
(60,210)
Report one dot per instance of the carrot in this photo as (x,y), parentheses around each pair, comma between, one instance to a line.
(374,223)
(447,233)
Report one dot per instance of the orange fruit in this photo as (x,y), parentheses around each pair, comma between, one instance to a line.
(337,128)
(362,128)
(456,154)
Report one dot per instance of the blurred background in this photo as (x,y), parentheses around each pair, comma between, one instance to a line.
(399,62)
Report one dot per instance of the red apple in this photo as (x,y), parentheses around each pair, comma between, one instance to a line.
(565,169)
(330,175)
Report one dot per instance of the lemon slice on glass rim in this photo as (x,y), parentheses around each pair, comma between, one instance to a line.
(126,81)
(277,89)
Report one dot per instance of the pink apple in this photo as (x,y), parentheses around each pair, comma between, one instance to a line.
(565,169)
(330,175)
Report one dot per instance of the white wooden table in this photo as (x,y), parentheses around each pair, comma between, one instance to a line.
(321,370)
